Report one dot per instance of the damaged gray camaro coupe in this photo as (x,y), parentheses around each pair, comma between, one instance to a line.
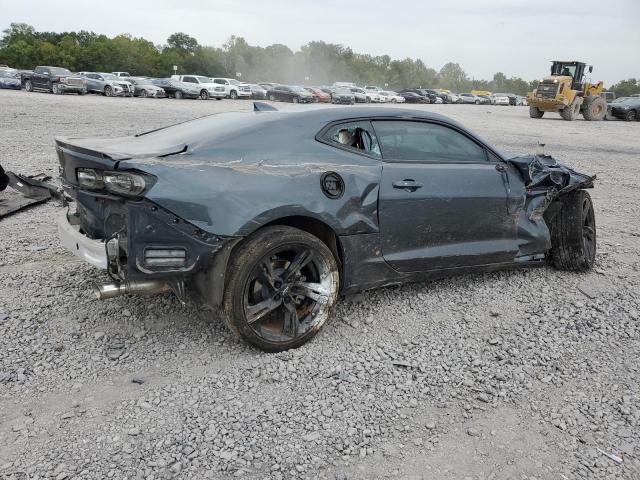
(272,215)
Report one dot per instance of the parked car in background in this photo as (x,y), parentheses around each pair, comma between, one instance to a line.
(233,88)
(343,95)
(360,95)
(445,97)
(391,97)
(108,84)
(343,85)
(144,87)
(268,85)
(205,86)
(499,99)
(413,97)
(176,89)
(625,108)
(286,93)
(258,91)
(319,95)
(56,80)
(470,98)
(608,96)
(122,74)
(485,99)
(512,98)
(430,97)
(10,78)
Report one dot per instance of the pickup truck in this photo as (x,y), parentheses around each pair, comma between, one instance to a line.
(56,80)
(208,89)
(233,88)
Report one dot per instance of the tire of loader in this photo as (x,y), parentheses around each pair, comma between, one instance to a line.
(535,112)
(595,108)
(570,112)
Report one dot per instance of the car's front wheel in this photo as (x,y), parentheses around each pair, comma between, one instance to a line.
(281,287)
(573,233)
(204,95)
(108,91)
(233,95)
(28,86)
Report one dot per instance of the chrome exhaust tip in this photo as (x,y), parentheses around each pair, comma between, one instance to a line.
(113,290)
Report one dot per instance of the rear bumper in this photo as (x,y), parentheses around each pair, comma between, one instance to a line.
(91,251)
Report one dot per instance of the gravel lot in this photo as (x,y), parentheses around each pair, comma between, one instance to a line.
(509,375)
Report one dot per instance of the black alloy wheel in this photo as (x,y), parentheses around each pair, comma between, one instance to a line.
(282,284)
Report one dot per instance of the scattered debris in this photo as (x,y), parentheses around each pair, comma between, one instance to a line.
(611,456)
(35,189)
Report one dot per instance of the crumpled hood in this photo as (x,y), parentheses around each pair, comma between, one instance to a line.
(544,171)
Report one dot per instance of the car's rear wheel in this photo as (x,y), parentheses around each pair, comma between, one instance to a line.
(573,233)
(535,112)
(281,287)
(178,95)
(143,94)
(28,86)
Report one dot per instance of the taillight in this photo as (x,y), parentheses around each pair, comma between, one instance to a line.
(121,183)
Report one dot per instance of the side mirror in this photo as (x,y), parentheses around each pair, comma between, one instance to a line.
(590,68)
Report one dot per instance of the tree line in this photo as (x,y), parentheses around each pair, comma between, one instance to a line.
(316,63)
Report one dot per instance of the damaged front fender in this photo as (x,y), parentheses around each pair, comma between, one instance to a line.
(546,179)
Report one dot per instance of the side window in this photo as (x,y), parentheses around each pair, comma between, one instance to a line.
(189,80)
(218,81)
(354,136)
(39,70)
(422,141)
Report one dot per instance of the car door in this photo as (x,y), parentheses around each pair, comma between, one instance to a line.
(92,83)
(40,78)
(444,201)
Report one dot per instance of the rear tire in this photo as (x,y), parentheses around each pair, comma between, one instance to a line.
(595,108)
(272,98)
(535,112)
(28,86)
(270,303)
(569,112)
(143,94)
(573,233)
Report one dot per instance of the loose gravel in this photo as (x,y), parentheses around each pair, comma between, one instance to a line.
(530,374)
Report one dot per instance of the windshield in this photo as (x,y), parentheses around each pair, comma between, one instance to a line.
(563,69)
(203,79)
(234,82)
(8,74)
(59,71)
(343,91)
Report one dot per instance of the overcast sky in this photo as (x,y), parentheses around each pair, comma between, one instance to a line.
(484,36)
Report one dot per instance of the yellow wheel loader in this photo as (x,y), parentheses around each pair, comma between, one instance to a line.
(569,93)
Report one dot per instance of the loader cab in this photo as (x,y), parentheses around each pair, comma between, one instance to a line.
(575,70)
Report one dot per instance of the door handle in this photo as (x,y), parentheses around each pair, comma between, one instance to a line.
(501,167)
(407,184)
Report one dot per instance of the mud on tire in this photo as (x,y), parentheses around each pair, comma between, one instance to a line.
(595,108)
(535,112)
(280,289)
(573,233)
